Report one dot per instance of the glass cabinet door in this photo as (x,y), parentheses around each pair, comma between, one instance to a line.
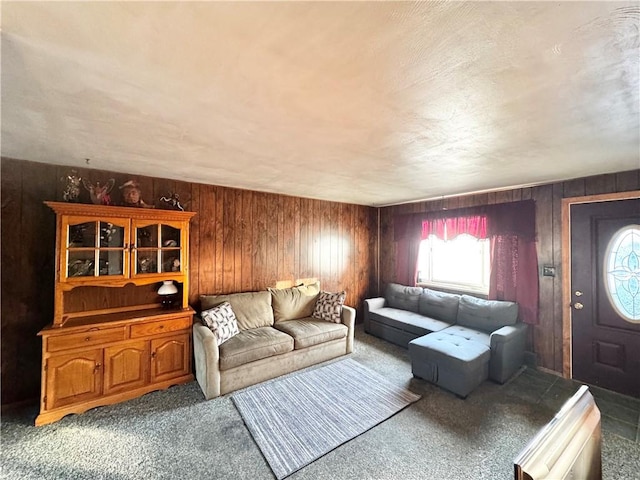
(157,248)
(94,248)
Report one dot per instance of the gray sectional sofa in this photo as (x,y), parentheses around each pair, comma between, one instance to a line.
(454,341)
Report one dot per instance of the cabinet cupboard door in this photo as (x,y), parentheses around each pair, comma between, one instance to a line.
(94,248)
(126,367)
(157,247)
(170,357)
(73,378)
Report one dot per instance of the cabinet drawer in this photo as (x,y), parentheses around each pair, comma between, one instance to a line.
(162,326)
(85,339)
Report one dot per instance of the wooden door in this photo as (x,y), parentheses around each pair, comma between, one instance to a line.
(126,367)
(170,357)
(73,378)
(605,294)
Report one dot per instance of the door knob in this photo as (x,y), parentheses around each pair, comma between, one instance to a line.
(578,306)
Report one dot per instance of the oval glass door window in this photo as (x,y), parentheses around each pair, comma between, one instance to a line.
(622,267)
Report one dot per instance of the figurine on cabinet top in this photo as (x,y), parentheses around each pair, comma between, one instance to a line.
(71,191)
(132,196)
(173,201)
(99,193)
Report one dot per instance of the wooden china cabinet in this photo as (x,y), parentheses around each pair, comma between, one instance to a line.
(111,339)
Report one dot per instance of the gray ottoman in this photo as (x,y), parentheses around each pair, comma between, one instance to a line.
(451,362)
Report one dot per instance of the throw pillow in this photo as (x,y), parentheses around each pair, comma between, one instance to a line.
(329,306)
(222,322)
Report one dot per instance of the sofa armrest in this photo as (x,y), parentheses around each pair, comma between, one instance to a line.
(349,319)
(207,360)
(507,351)
(370,305)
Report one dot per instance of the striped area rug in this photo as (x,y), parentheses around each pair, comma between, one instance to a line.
(298,419)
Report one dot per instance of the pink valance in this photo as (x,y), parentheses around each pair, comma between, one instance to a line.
(513,218)
(475,225)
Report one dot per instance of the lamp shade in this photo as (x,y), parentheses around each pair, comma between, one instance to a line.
(167,288)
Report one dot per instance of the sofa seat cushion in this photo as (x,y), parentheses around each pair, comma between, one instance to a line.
(452,351)
(310,331)
(468,334)
(253,344)
(408,321)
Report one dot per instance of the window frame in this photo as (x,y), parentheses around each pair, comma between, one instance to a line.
(462,287)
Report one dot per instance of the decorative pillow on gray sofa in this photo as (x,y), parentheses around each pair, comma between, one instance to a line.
(439,305)
(487,315)
(402,297)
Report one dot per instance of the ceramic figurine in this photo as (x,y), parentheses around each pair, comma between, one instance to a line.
(71,191)
(173,200)
(99,193)
(131,195)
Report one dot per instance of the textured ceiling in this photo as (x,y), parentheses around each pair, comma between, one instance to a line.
(362,102)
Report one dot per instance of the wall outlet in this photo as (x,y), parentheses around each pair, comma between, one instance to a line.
(548,271)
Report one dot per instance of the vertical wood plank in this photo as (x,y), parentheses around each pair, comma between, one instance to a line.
(600,184)
(574,188)
(228,242)
(14,291)
(192,203)
(248,232)
(306,251)
(207,240)
(627,181)
(218,231)
(260,241)
(238,231)
(556,225)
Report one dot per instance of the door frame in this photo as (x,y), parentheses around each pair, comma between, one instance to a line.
(567,353)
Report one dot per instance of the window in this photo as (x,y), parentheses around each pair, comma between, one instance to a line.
(459,264)
(622,270)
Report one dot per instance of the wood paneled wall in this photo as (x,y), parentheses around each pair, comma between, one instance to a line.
(240,241)
(546,337)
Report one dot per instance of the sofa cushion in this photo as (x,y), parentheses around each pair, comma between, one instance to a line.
(487,315)
(221,321)
(441,305)
(402,297)
(309,331)
(329,306)
(253,344)
(468,334)
(295,302)
(252,309)
(408,321)
(450,351)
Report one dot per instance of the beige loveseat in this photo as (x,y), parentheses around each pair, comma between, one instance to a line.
(277,335)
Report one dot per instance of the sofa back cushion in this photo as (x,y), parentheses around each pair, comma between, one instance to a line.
(486,315)
(295,302)
(252,309)
(400,296)
(439,305)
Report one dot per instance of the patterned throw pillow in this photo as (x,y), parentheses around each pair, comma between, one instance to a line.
(329,306)
(222,321)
